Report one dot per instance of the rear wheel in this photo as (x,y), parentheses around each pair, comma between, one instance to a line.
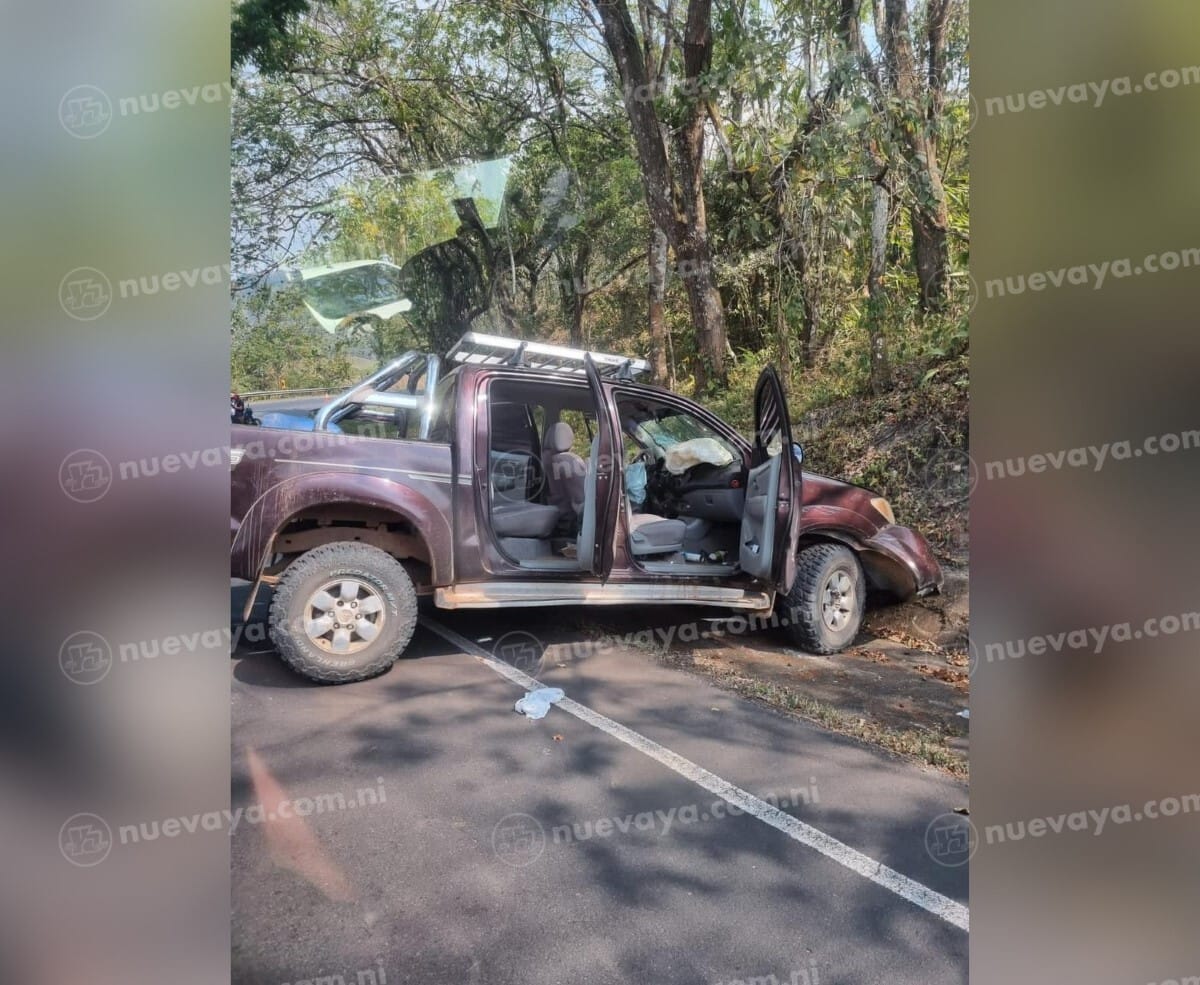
(343,612)
(824,609)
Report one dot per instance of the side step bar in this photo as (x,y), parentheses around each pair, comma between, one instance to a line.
(495,595)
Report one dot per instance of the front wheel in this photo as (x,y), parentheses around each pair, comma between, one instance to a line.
(824,609)
(343,612)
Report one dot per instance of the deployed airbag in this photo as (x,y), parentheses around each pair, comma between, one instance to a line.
(682,456)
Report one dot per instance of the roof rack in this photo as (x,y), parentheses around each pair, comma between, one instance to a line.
(478,349)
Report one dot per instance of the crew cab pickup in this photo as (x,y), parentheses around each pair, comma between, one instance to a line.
(522,474)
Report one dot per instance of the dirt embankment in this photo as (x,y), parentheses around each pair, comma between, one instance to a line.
(909,444)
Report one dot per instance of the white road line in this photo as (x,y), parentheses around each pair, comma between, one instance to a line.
(909,889)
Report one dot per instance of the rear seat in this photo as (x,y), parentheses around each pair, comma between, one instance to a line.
(517,518)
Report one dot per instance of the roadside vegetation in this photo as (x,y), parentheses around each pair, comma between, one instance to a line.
(716,184)
(924,747)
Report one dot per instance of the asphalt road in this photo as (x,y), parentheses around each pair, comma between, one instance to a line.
(287,405)
(449,839)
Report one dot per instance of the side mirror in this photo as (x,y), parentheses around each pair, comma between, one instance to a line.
(798,452)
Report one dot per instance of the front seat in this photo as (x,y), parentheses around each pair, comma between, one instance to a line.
(566,473)
(650,534)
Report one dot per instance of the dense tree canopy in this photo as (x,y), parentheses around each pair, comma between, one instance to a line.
(716,183)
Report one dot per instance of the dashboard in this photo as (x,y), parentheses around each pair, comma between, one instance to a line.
(710,492)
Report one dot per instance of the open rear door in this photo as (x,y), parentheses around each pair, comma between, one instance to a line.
(601,487)
(771,521)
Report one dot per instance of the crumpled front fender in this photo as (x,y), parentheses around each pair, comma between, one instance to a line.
(899,560)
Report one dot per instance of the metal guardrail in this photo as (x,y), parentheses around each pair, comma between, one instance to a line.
(285,394)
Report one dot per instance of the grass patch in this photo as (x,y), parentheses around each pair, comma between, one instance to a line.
(920,746)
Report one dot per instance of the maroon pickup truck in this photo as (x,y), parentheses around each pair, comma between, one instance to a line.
(521,474)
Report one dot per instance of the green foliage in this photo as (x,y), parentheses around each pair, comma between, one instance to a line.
(346,105)
(262,32)
(396,218)
(276,347)
(735,404)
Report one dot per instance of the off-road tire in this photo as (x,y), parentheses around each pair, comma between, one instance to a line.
(377,569)
(801,610)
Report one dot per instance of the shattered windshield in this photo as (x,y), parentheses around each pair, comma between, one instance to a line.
(359,289)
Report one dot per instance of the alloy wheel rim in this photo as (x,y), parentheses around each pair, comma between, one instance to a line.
(837,601)
(344,616)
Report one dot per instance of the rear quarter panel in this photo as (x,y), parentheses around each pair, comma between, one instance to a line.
(284,472)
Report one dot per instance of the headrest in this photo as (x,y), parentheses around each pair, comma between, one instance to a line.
(561,437)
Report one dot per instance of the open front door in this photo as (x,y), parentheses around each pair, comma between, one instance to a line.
(602,489)
(771,521)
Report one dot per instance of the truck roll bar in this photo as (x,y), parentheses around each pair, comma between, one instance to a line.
(375,391)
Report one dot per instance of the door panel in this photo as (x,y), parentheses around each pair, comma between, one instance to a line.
(757,543)
(771,522)
(601,487)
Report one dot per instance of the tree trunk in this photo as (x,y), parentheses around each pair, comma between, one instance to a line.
(656,257)
(881,205)
(676,207)
(579,294)
(704,298)
(931,247)
(797,250)
(694,266)
(917,128)
(808,329)
(657,292)
(573,292)
(783,341)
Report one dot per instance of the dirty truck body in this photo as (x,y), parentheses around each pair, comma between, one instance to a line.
(530,475)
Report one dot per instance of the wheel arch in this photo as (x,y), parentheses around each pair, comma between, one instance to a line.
(308,511)
(884,572)
(389,529)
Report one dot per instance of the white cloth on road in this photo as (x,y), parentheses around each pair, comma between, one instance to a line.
(535,704)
